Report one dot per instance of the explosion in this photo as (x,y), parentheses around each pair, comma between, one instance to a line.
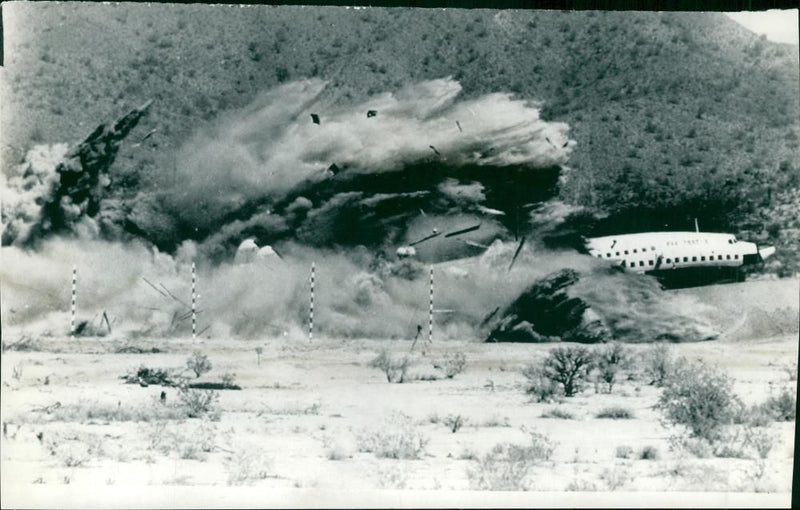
(368,191)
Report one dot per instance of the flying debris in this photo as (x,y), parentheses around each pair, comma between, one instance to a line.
(315,118)
(548,141)
(463,230)
(565,144)
(477,245)
(333,169)
(434,150)
(371,113)
(422,212)
(406,251)
(516,253)
(487,210)
(435,233)
(148,135)
(459,127)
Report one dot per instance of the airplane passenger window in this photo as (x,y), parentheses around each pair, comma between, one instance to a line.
(736,256)
(653,248)
(719,257)
(669,261)
(608,255)
(617,254)
(728,257)
(694,259)
(686,259)
(634,250)
(626,252)
(703,258)
(633,264)
(641,262)
(650,262)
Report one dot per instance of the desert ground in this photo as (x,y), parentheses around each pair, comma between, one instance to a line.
(314,420)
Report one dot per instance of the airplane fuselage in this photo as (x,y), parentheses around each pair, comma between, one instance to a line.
(664,251)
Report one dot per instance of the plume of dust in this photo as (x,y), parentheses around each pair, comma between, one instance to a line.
(28,186)
(271,146)
(355,296)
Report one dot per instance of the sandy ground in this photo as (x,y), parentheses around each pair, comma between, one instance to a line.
(299,426)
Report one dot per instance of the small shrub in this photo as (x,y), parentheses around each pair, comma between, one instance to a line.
(246,464)
(569,367)
(581,486)
(782,407)
(454,422)
(610,360)
(615,413)
(559,413)
(624,452)
(454,364)
(397,438)
(649,453)
(198,402)
(506,466)
(700,399)
(198,363)
(540,387)
(658,364)
(615,477)
(394,368)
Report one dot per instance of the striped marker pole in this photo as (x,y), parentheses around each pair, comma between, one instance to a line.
(311,307)
(430,311)
(74,291)
(194,302)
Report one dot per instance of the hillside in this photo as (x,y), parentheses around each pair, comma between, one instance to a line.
(675,115)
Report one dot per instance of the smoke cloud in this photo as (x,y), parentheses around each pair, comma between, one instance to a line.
(265,192)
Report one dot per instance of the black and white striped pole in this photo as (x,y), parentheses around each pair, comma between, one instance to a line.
(430,311)
(311,307)
(194,302)
(72,308)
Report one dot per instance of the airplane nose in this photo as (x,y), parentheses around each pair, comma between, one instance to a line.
(766,252)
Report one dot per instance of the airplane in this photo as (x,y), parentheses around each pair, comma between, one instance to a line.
(667,254)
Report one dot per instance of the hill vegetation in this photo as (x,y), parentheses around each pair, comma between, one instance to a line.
(676,115)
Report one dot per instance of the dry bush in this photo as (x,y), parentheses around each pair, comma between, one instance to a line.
(540,387)
(569,367)
(247,463)
(454,364)
(624,452)
(782,407)
(615,477)
(658,364)
(610,360)
(198,403)
(185,440)
(507,465)
(700,399)
(454,422)
(559,413)
(396,438)
(615,413)
(25,343)
(649,453)
(394,368)
(198,363)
